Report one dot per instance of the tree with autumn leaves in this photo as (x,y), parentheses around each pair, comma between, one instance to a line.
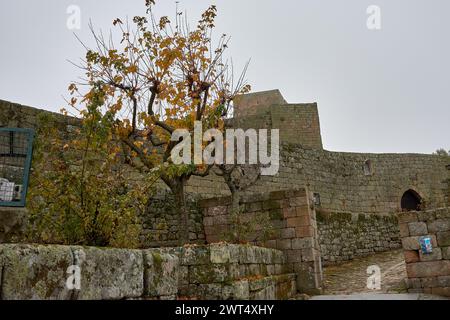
(162,76)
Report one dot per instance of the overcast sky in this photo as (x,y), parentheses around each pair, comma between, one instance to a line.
(382,90)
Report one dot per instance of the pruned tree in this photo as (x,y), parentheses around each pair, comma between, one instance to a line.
(162,76)
(239,178)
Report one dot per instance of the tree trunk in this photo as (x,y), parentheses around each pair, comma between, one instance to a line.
(180,202)
(235,214)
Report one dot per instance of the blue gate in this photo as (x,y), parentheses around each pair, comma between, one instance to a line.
(16,149)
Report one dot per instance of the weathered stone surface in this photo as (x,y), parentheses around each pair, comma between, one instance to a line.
(195,255)
(221,253)
(413,243)
(439,225)
(435,255)
(446,253)
(39,272)
(411,256)
(110,274)
(240,290)
(441,291)
(443,238)
(35,272)
(343,236)
(303,243)
(209,273)
(407,217)
(404,230)
(428,269)
(161,273)
(443,281)
(417,229)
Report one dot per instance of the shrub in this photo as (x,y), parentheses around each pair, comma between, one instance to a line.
(80,190)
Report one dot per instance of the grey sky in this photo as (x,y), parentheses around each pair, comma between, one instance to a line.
(378,91)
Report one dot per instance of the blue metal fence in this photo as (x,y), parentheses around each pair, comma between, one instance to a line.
(16,150)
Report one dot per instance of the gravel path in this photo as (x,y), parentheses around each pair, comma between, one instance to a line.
(351,277)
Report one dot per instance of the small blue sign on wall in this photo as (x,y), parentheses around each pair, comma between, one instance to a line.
(16,150)
(426,245)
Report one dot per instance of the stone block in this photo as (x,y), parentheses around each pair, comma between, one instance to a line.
(439,225)
(284,244)
(247,254)
(298,201)
(238,290)
(443,238)
(304,232)
(442,281)
(302,243)
(162,273)
(413,283)
(110,274)
(308,255)
(417,228)
(35,272)
(411,256)
(268,293)
(428,269)
(287,233)
(412,243)
(303,211)
(209,273)
(445,253)
(404,230)
(220,254)
(305,221)
(307,278)
(435,255)
(209,291)
(407,217)
(294,256)
(289,213)
(444,291)
(195,255)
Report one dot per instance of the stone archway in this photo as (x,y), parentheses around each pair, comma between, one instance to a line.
(411,201)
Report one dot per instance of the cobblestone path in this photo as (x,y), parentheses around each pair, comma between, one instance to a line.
(351,277)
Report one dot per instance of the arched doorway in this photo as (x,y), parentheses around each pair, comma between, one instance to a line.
(411,201)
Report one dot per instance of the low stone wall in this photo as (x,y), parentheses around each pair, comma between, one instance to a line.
(203,272)
(292,221)
(345,236)
(427,273)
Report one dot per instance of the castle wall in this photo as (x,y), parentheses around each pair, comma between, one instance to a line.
(341,181)
(15,115)
(338,177)
(297,123)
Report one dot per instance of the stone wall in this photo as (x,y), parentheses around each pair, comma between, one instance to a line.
(202,272)
(427,273)
(339,178)
(345,236)
(161,223)
(293,229)
(15,115)
(297,123)
(341,181)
